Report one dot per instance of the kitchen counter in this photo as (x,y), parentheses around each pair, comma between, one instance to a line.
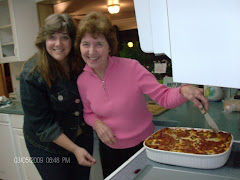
(187,115)
(231,170)
(139,161)
(14,108)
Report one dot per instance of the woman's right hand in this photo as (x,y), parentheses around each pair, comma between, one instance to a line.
(83,157)
(104,132)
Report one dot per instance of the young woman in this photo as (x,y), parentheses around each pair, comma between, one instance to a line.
(58,140)
(112,90)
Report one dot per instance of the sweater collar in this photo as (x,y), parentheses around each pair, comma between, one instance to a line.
(109,65)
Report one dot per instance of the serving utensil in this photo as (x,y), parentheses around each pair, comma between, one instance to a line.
(210,121)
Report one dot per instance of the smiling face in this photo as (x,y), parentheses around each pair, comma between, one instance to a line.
(59,45)
(95,52)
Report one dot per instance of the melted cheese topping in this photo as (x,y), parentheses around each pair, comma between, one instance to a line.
(189,141)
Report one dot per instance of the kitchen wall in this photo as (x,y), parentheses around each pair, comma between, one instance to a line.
(15,69)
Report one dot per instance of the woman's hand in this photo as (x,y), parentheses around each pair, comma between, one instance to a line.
(83,157)
(195,95)
(104,132)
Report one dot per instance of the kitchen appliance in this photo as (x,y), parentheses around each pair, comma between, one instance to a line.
(201,37)
(156,173)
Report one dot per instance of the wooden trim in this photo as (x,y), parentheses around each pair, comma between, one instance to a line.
(44,10)
(3,85)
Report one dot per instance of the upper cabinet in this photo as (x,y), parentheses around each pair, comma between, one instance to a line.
(18,30)
(201,37)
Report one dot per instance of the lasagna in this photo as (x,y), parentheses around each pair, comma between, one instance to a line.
(194,141)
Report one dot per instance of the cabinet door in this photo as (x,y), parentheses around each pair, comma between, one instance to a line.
(6,35)
(28,170)
(8,168)
(201,37)
(18,30)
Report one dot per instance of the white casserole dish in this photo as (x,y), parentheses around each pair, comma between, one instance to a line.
(187,159)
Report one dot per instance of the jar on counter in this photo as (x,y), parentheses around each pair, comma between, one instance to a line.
(213,93)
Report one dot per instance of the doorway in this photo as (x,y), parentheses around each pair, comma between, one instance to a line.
(5,80)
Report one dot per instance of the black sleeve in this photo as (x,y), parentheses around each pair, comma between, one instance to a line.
(38,115)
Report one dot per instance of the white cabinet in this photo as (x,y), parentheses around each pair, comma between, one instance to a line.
(28,170)
(18,30)
(8,168)
(201,37)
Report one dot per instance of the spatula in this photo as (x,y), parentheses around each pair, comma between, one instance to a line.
(210,121)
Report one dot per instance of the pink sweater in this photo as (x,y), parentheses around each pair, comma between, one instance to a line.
(119,100)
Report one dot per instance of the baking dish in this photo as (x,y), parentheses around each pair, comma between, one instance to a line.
(187,159)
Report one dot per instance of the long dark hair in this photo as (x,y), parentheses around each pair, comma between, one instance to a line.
(48,67)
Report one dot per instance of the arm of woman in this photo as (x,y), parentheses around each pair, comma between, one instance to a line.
(195,95)
(168,97)
(83,157)
(38,115)
(103,131)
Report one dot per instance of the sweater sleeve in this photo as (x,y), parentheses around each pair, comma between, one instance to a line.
(89,116)
(148,84)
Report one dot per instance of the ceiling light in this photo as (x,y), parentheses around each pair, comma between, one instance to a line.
(114,8)
(130,44)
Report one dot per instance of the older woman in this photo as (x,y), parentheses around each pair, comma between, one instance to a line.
(112,90)
(56,136)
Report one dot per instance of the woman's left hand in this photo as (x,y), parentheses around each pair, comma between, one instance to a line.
(195,95)
(104,132)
